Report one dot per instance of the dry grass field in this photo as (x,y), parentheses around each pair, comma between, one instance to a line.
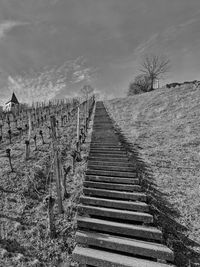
(165,127)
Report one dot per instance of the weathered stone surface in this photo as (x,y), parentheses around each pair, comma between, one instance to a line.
(100,258)
(111,203)
(110,179)
(122,244)
(116,213)
(121,229)
(114,194)
(111,173)
(111,186)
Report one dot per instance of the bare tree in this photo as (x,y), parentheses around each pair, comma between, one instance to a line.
(86,91)
(154,67)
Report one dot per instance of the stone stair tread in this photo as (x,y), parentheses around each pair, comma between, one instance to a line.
(106,144)
(111,173)
(108,151)
(124,187)
(100,258)
(102,158)
(110,168)
(120,204)
(115,194)
(123,244)
(103,147)
(112,164)
(124,229)
(115,154)
(116,213)
(109,179)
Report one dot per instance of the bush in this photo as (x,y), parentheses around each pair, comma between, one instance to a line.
(134,89)
(140,85)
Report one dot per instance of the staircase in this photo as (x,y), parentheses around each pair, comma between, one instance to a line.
(115,227)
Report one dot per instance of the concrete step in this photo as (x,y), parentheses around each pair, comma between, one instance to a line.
(115,194)
(103,148)
(112,164)
(116,146)
(111,179)
(104,140)
(117,204)
(127,245)
(106,121)
(106,144)
(111,186)
(111,173)
(108,150)
(103,126)
(121,229)
(105,136)
(111,148)
(111,159)
(116,213)
(100,258)
(110,168)
(108,155)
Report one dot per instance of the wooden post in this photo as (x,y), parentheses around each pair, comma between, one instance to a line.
(85,119)
(29,125)
(57,165)
(51,227)
(10,136)
(35,141)
(42,137)
(78,123)
(66,172)
(9,157)
(1,129)
(27,143)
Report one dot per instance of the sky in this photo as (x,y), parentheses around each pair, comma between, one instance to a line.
(111,35)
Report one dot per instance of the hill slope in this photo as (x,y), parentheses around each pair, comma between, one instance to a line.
(166,126)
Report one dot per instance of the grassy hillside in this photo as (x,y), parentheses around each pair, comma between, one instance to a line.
(165,124)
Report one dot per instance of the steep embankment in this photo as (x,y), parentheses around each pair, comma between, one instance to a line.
(165,124)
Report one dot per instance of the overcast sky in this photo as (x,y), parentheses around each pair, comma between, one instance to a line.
(111,34)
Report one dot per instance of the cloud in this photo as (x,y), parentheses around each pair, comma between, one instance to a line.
(168,34)
(6,26)
(141,48)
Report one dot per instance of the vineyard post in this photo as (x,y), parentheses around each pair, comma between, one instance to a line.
(8,121)
(9,158)
(85,119)
(1,129)
(78,129)
(35,141)
(78,123)
(51,228)
(29,125)
(10,136)
(56,164)
(42,137)
(27,142)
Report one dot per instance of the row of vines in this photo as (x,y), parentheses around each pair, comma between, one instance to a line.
(42,159)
